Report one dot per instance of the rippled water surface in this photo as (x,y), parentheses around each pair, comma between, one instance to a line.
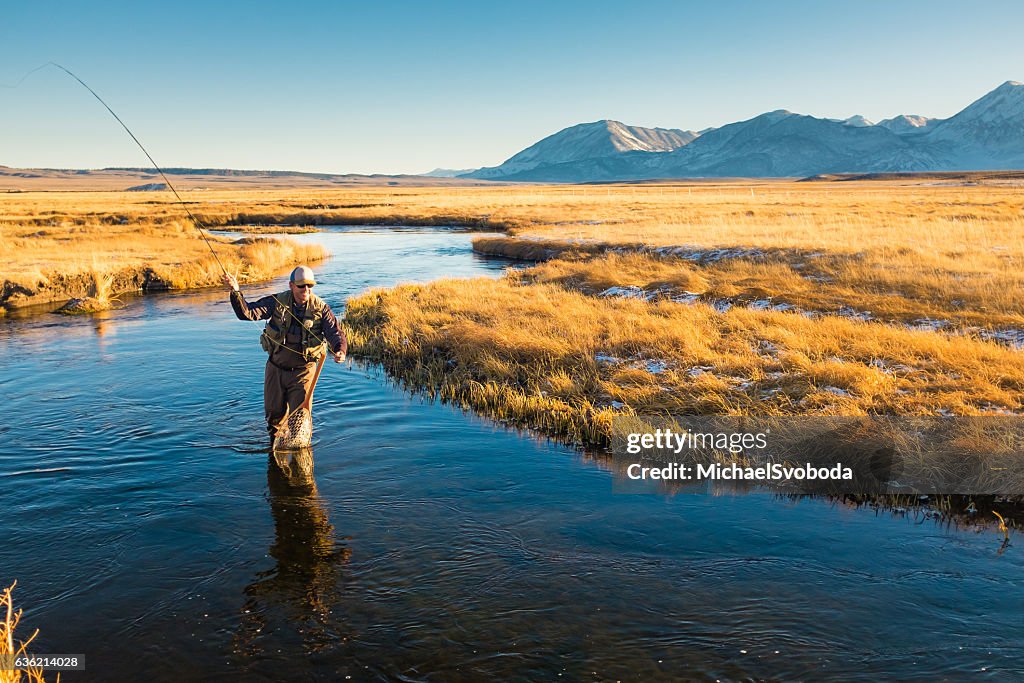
(149,529)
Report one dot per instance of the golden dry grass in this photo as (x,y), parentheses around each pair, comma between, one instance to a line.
(11,646)
(543,356)
(977,302)
(62,245)
(845,215)
(945,246)
(900,252)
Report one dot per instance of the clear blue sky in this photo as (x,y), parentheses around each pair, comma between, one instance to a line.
(404,87)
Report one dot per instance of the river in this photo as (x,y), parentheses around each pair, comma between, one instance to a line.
(148,528)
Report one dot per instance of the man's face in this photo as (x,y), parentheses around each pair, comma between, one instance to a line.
(300,294)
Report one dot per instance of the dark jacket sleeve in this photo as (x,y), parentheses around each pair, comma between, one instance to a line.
(334,335)
(260,310)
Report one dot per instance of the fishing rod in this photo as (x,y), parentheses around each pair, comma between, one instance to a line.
(167,181)
(195,221)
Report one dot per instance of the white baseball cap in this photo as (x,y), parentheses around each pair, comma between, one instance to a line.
(303,275)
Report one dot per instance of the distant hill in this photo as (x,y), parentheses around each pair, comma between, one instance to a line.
(986,135)
(147,179)
(447,172)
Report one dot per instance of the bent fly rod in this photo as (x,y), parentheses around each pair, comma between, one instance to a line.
(302,428)
(167,181)
(195,221)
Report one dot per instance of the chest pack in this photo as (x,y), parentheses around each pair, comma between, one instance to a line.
(275,332)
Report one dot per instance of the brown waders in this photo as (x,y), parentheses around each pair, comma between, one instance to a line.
(293,337)
(284,391)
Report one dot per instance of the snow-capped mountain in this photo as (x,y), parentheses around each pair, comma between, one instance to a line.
(786,144)
(858,121)
(987,135)
(907,124)
(589,141)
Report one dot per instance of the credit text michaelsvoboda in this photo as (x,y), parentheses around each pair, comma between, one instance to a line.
(772,471)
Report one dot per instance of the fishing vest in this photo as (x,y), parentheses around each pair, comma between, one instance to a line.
(276,331)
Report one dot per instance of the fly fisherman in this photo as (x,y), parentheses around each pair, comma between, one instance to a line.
(298,324)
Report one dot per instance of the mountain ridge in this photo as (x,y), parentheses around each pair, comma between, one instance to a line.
(988,134)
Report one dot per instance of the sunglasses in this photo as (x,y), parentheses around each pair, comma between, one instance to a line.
(304,286)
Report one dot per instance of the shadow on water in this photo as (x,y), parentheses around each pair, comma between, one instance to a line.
(289,606)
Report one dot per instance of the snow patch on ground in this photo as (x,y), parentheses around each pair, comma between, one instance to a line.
(628,292)
(766,349)
(929,324)
(701,255)
(656,366)
(853,313)
(651,365)
(692,298)
(892,369)
(1012,337)
(767,305)
(994,409)
(686,298)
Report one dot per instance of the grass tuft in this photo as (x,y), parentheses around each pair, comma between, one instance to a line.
(11,646)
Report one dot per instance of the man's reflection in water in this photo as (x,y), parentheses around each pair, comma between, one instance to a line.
(288,607)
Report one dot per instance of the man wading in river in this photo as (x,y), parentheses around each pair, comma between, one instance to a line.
(299,323)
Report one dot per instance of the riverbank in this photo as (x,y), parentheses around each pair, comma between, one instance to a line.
(172,264)
(62,246)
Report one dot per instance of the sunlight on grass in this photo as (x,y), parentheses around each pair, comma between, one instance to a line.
(543,356)
(11,646)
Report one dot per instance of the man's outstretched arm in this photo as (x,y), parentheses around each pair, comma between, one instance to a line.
(259,310)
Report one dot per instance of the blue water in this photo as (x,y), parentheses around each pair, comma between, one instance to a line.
(148,528)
